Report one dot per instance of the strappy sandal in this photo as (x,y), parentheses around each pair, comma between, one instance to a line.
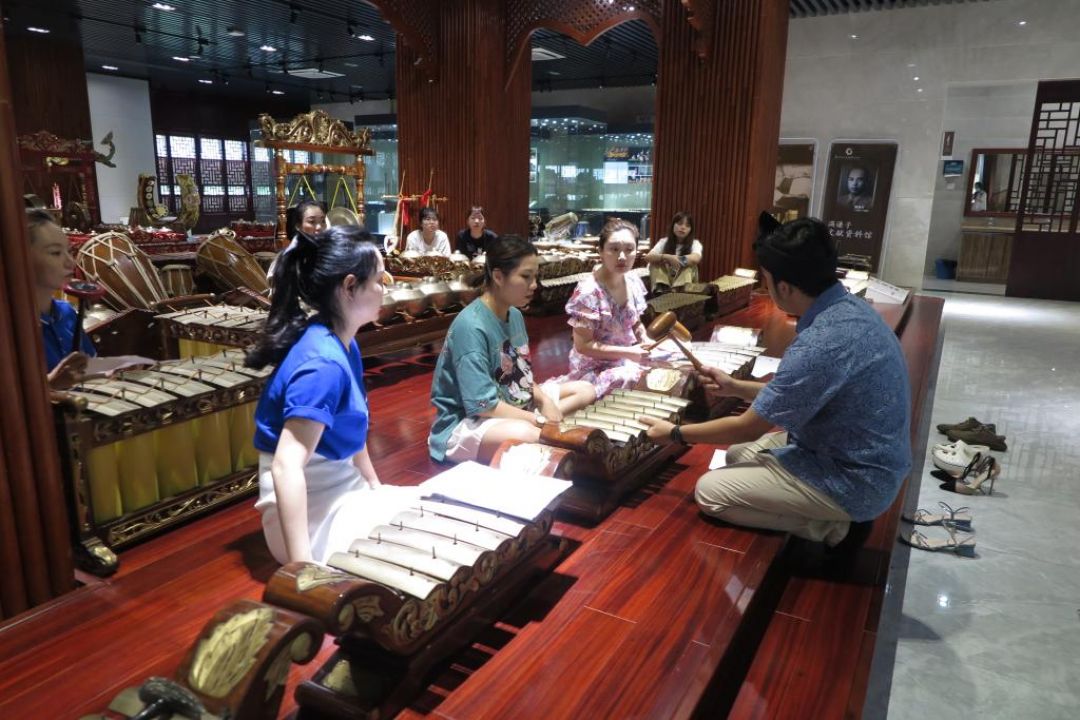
(979,474)
(958,517)
(963,545)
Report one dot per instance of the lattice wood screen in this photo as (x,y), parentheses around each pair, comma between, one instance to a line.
(1053,177)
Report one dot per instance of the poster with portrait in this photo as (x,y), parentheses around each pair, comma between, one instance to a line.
(856,199)
(794,184)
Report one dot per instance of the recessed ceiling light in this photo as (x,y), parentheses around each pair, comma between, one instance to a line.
(268,48)
(553,72)
(177,58)
(163,6)
(1022,23)
(348,64)
(911,64)
(916,78)
(235,32)
(854,36)
(918,90)
(365,37)
(43,31)
(109,67)
(206,82)
(277,92)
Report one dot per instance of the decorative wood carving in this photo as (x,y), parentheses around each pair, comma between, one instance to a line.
(44,141)
(417,21)
(582,21)
(701,14)
(314,131)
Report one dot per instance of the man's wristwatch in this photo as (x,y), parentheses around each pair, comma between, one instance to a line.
(676,435)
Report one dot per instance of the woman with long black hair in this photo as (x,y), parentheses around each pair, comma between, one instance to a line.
(312,419)
(673,262)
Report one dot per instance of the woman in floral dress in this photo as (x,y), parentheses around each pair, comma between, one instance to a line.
(605,312)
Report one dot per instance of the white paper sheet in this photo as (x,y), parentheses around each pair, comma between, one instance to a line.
(106,366)
(765,365)
(515,494)
(719,459)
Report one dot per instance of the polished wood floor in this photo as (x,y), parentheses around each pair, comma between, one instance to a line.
(652,606)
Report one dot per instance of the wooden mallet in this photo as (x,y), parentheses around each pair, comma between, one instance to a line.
(667,325)
(85,291)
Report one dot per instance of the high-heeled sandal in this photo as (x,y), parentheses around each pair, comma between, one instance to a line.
(980,473)
(960,544)
(958,517)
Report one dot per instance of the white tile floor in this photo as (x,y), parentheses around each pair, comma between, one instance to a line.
(998,635)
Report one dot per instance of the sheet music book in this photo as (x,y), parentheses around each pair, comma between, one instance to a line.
(765,365)
(883,292)
(515,494)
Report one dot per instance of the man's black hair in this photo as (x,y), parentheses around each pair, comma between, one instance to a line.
(801,253)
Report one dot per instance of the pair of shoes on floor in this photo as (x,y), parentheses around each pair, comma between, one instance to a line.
(960,517)
(954,458)
(977,479)
(969,424)
(980,435)
(957,542)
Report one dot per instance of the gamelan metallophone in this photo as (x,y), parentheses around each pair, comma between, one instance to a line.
(603,448)
(146,449)
(554,291)
(406,594)
(689,307)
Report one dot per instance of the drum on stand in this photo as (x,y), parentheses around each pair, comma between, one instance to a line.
(129,278)
(222,258)
(178,280)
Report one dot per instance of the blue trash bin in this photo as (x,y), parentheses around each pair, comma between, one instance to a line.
(945,269)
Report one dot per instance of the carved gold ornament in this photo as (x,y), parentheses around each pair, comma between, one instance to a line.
(315,128)
(223,659)
(313,576)
(368,608)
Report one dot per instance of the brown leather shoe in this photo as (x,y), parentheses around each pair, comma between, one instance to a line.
(969,424)
(981,435)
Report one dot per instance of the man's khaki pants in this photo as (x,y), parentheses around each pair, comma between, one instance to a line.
(754,490)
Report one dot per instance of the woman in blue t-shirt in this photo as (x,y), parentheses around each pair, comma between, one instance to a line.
(53,267)
(311,421)
(483,389)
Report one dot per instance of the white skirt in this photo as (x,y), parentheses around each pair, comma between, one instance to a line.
(341,507)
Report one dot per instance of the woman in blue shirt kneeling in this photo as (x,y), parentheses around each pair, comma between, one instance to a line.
(483,389)
(53,267)
(311,422)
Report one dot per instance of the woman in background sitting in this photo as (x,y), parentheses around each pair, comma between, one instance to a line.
(429,239)
(605,312)
(673,261)
(483,389)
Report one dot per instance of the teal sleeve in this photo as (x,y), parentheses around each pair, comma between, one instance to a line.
(476,383)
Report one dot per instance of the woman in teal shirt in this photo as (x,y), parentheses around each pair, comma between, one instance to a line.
(483,389)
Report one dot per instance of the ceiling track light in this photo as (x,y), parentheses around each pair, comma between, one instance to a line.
(350,29)
(294,13)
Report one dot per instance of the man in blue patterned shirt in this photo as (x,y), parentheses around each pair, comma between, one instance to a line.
(840,397)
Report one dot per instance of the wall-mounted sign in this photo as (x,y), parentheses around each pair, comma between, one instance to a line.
(952,168)
(857,189)
(946,143)
(794,185)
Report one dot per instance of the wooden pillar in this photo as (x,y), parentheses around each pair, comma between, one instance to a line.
(718,123)
(35,546)
(48,76)
(464,121)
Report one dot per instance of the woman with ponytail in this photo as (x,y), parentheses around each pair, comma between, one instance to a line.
(483,389)
(311,422)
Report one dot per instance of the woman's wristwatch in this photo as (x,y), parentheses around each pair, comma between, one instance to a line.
(539,417)
(676,435)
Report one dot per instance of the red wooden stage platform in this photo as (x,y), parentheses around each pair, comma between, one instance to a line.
(656,612)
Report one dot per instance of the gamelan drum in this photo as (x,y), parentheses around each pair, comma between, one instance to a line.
(229,264)
(129,278)
(178,280)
